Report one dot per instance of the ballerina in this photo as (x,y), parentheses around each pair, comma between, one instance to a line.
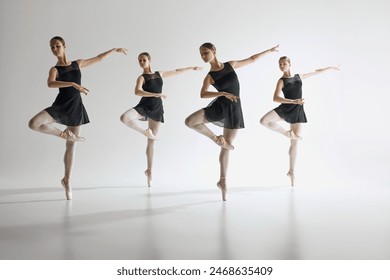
(150,108)
(225,110)
(68,108)
(291,108)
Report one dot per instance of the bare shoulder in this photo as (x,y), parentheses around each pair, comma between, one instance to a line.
(208,79)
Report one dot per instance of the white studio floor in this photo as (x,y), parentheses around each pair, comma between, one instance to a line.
(265,222)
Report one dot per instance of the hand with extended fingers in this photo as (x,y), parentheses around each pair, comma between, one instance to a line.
(231,97)
(81,89)
(121,50)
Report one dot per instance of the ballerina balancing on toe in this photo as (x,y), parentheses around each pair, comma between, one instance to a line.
(68,108)
(291,108)
(150,108)
(225,109)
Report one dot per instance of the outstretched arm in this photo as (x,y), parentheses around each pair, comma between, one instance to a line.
(165,74)
(100,57)
(140,92)
(278,98)
(52,83)
(253,58)
(319,71)
(205,93)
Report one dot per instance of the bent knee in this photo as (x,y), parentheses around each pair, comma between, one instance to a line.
(125,119)
(33,124)
(188,122)
(263,121)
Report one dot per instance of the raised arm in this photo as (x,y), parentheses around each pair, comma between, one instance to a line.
(166,74)
(278,97)
(52,83)
(253,58)
(319,71)
(87,62)
(205,93)
(140,92)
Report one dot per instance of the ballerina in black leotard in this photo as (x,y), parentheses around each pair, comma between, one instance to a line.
(68,108)
(225,110)
(150,108)
(291,108)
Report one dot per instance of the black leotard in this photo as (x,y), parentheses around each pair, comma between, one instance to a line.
(151,107)
(292,89)
(68,108)
(221,111)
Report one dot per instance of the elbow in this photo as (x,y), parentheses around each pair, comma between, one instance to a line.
(50,84)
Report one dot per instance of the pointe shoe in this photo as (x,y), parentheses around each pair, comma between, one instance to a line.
(149,178)
(68,193)
(69,136)
(291,134)
(292,178)
(223,189)
(149,133)
(221,141)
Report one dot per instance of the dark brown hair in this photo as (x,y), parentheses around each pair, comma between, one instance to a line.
(285,58)
(208,46)
(58,38)
(145,54)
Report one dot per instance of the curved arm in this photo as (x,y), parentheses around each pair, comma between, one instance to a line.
(278,98)
(320,71)
(253,58)
(166,74)
(205,93)
(100,57)
(140,92)
(52,83)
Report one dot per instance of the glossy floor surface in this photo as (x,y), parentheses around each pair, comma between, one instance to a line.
(266,222)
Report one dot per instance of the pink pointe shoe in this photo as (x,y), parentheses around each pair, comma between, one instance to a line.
(68,193)
(149,178)
(221,141)
(222,187)
(291,134)
(149,133)
(69,136)
(292,178)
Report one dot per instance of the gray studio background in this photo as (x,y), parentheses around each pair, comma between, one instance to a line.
(345,140)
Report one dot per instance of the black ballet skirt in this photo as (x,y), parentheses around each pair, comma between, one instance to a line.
(68,108)
(221,111)
(292,89)
(151,107)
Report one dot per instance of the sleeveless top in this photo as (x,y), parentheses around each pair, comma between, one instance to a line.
(68,108)
(221,111)
(151,107)
(292,89)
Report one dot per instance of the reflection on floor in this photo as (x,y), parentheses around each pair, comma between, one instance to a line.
(275,222)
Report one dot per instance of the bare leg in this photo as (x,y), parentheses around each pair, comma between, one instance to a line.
(271,120)
(154,126)
(130,118)
(292,152)
(68,162)
(197,121)
(229,135)
(43,122)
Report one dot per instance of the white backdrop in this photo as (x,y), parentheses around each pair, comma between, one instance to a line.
(345,139)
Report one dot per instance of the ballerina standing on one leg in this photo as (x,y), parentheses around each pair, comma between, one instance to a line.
(150,108)
(291,108)
(225,110)
(68,108)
